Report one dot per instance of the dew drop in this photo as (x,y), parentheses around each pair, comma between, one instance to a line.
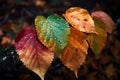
(61,28)
(30,37)
(57,19)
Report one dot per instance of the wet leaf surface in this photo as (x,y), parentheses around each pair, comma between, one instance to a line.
(75,52)
(23,12)
(32,53)
(53,32)
(80,19)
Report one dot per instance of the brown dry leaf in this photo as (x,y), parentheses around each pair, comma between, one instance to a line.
(80,19)
(110,71)
(116,49)
(105,18)
(75,52)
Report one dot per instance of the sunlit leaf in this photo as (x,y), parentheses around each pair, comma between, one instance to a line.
(80,19)
(32,53)
(97,42)
(75,52)
(53,32)
(105,18)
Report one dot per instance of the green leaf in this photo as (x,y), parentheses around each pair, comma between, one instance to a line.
(53,32)
(97,42)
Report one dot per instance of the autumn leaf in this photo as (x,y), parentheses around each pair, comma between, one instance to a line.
(97,42)
(1,33)
(32,53)
(105,18)
(75,52)
(80,19)
(8,26)
(53,32)
(7,41)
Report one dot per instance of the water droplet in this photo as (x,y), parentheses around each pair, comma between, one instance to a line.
(45,40)
(31,37)
(55,38)
(59,41)
(62,28)
(57,19)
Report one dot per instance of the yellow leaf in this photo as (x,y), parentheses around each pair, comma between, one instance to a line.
(75,52)
(80,19)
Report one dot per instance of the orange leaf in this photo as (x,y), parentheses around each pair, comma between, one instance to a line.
(105,18)
(80,19)
(75,52)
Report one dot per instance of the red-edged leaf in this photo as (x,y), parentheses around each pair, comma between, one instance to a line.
(105,18)
(75,52)
(32,53)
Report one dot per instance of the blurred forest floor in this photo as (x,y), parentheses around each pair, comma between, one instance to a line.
(16,14)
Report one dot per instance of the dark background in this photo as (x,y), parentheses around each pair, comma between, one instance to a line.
(15,14)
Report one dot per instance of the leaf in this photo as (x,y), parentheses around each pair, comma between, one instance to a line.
(8,26)
(6,41)
(75,52)
(105,18)
(53,32)
(97,42)
(32,53)
(110,71)
(80,19)
(1,32)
